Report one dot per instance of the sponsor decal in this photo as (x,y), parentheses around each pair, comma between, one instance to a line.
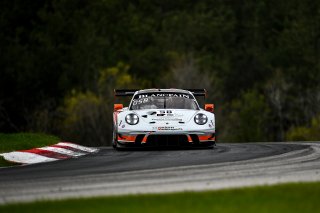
(166,119)
(140,101)
(165,113)
(181,95)
(171,128)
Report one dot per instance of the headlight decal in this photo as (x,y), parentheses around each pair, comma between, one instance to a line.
(132,119)
(200,119)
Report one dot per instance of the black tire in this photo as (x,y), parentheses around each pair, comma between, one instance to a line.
(114,138)
(115,143)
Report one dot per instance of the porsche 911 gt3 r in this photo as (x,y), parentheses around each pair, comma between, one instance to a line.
(163,117)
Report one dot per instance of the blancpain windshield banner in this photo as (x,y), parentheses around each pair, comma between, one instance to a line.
(163,94)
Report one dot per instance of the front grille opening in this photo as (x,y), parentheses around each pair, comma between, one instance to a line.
(195,138)
(167,140)
(139,139)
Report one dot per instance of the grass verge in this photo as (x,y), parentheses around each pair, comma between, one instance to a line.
(21,141)
(301,197)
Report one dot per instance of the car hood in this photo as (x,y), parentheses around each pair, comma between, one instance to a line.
(166,115)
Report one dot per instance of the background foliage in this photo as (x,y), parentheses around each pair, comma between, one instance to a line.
(259,60)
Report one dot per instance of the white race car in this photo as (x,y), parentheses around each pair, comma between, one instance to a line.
(163,117)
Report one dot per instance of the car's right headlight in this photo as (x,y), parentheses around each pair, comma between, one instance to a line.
(132,119)
(200,119)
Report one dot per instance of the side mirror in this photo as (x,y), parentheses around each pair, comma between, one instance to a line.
(209,107)
(117,107)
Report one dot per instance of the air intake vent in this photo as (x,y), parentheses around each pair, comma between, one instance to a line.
(167,140)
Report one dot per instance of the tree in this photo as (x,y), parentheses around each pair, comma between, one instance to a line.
(87,116)
(247,118)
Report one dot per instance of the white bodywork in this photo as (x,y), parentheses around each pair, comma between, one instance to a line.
(166,124)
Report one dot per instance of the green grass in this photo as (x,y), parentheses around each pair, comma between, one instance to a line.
(4,163)
(302,197)
(22,141)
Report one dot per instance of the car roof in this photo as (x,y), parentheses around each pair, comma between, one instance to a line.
(162,90)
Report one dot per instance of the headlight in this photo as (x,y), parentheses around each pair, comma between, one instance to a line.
(132,119)
(200,119)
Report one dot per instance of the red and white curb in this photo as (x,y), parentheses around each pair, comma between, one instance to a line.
(59,151)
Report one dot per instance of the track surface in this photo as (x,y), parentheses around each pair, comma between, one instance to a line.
(111,172)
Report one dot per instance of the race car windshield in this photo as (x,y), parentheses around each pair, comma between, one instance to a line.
(163,101)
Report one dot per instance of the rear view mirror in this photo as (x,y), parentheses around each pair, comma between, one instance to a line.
(118,107)
(209,107)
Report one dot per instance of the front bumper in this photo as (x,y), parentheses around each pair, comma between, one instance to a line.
(206,138)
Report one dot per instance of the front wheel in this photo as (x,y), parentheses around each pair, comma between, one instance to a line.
(114,138)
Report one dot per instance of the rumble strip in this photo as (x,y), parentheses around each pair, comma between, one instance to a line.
(59,151)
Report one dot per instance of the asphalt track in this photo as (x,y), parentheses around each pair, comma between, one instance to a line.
(111,172)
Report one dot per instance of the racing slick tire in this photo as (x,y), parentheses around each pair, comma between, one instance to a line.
(115,143)
(114,138)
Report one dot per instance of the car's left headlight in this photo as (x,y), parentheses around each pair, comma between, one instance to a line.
(132,119)
(200,119)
